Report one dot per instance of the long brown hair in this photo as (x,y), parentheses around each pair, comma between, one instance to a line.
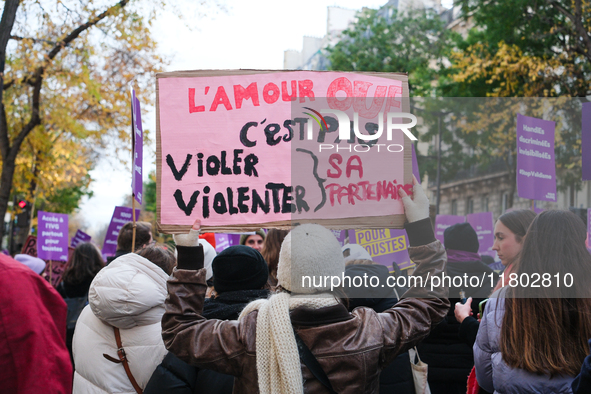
(548,334)
(518,222)
(86,262)
(271,248)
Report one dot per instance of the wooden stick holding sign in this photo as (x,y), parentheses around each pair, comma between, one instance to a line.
(245,149)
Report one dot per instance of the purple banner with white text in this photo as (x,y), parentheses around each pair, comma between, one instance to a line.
(79,238)
(483,224)
(444,221)
(223,241)
(536,168)
(52,238)
(121,215)
(138,149)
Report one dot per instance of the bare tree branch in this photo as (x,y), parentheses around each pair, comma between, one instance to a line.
(36,40)
(578,25)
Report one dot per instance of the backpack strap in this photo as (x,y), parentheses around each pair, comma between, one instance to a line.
(312,363)
(123,360)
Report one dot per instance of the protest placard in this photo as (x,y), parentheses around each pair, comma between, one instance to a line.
(415,164)
(30,246)
(52,240)
(138,148)
(249,149)
(79,237)
(586,141)
(223,241)
(341,235)
(536,168)
(121,215)
(54,270)
(444,221)
(385,246)
(483,224)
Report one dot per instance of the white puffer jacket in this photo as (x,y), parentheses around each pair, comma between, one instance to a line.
(129,294)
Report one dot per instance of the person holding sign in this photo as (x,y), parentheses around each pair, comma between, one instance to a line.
(349,349)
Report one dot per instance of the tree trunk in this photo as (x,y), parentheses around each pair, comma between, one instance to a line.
(8,152)
(8,161)
(8,167)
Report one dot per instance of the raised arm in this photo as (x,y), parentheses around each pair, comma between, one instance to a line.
(425,304)
(212,344)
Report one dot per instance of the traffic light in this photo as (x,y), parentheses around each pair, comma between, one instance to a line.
(22,204)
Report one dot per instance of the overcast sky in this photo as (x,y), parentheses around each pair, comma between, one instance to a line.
(250,34)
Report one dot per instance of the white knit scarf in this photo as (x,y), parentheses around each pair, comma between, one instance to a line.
(278,361)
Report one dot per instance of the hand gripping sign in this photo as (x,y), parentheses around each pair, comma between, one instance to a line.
(249,149)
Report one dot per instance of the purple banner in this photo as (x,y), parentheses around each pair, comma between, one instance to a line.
(341,235)
(121,215)
(586,141)
(386,246)
(223,241)
(415,164)
(52,236)
(536,169)
(444,221)
(138,149)
(484,226)
(79,238)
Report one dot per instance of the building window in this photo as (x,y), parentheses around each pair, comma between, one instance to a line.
(470,205)
(454,207)
(504,202)
(485,204)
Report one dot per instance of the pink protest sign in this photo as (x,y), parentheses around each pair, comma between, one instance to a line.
(444,221)
(248,149)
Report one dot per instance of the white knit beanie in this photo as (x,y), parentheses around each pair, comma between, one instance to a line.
(309,250)
(209,254)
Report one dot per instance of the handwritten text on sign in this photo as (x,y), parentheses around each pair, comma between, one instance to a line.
(269,147)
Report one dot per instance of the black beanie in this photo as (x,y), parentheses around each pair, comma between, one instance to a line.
(239,268)
(461,236)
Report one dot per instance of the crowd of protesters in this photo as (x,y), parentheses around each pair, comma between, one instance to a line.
(183,320)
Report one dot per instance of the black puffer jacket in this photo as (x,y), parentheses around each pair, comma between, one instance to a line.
(174,376)
(449,357)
